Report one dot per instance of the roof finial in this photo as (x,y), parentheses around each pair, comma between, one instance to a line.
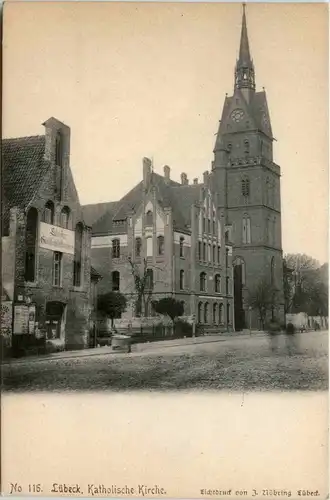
(244,77)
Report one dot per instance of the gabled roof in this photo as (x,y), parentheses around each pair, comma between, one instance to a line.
(93,212)
(24,169)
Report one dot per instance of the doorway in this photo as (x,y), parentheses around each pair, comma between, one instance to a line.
(54,319)
(238,297)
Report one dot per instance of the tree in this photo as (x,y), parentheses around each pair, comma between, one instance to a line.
(168,306)
(287,287)
(112,305)
(262,298)
(142,284)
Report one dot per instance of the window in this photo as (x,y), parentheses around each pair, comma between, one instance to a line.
(220,313)
(181,246)
(65,214)
(202,282)
(77,263)
(48,215)
(59,150)
(160,245)
(209,252)
(115,281)
(219,254)
(217,283)
(57,269)
(228,314)
(229,147)
(246,187)
(149,218)
(116,248)
(213,226)
(200,250)
(206,313)
(181,279)
(246,147)
(246,230)
(204,224)
(138,247)
(227,255)
(209,225)
(149,279)
(199,312)
(214,313)
(204,251)
(149,247)
(213,253)
(30,244)
(227,285)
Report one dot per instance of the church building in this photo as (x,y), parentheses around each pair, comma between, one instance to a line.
(207,244)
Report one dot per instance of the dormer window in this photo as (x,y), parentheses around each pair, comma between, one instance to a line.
(59,149)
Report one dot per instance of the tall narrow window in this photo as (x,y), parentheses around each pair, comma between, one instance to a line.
(267,191)
(209,252)
(217,283)
(115,248)
(220,313)
(77,263)
(115,281)
(59,150)
(206,313)
(149,218)
(213,253)
(228,314)
(213,226)
(227,285)
(272,271)
(204,224)
(160,245)
(214,313)
(181,279)
(204,252)
(65,214)
(138,247)
(199,312)
(200,250)
(30,244)
(209,225)
(202,282)
(48,214)
(246,187)
(227,257)
(149,279)
(57,269)
(181,246)
(246,230)
(219,254)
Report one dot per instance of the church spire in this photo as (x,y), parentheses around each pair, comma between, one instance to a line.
(244,73)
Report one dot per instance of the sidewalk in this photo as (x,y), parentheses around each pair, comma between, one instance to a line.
(107,350)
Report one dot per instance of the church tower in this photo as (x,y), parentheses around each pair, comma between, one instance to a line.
(247,182)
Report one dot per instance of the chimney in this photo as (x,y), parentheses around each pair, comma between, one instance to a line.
(184,179)
(167,172)
(206,178)
(146,171)
(195,181)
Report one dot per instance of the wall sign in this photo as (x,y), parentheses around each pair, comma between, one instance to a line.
(21,319)
(56,238)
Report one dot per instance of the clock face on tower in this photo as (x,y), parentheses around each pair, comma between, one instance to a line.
(237,115)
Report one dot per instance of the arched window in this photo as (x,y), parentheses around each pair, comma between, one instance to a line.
(199,312)
(138,247)
(220,313)
(77,263)
(160,245)
(217,283)
(246,229)
(65,215)
(30,244)
(115,248)
(227,285)
(214,313)
(272,271)
(219,254)
(115,281)
(209,225)
(181,246)
(149,279)
(246,147)
(149,218)
(181,279)
(204,251)
(206,312)
(227,257)
(246,187)
(48,213)
(202,282)
(213,254)
(200,250)
(228,314)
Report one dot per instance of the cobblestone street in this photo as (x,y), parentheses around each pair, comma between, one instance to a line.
(238,364)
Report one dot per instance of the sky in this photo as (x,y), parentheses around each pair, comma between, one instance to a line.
(149,79)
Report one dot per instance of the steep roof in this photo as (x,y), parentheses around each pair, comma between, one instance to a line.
(23,170)
(93,212)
